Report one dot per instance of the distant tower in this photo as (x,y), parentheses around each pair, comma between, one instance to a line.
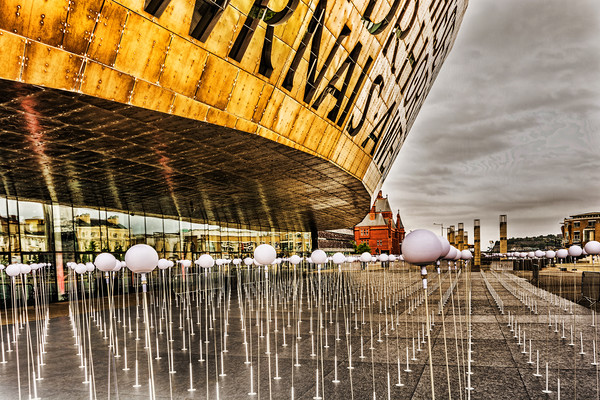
(451,237)
(503,242)
(466,241)
(477,243)
(461,236)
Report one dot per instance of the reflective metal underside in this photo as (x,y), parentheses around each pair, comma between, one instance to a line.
(76,149)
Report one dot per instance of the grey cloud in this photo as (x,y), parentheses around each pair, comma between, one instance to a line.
(512,123)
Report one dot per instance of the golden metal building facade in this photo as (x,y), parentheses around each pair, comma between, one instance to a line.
(339,82)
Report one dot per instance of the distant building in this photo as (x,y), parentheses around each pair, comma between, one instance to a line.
(379,230)
(339,240)
(581,228)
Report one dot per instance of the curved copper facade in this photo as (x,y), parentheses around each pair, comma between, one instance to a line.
(337,83)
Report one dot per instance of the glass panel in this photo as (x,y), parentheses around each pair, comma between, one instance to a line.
(33,226)
(214,240)
(87,233)
(154,234)
(173,238)
(197,239)
(138,229)
(4,230)
(117,228)
(13,230)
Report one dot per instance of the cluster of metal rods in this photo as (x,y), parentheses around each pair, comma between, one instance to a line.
(284,331)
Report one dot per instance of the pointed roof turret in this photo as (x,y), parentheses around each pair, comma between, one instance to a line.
(399,223)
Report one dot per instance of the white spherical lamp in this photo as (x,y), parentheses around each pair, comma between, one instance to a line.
(445,246)
(392,258)
(13,270)
(384,257)
(25,268)
(81,269)
(562,253)
(451,253)
(206,261)
(338,258)
(550,254)
(248,261)
(295,259)
(539,253)
(466,255)
(365,257)
(163,263)
(237,261)
(141,258)
(265,254)
(106,261)
(592,247)
(575,251)
(319,257)
(186,263)
(421,247)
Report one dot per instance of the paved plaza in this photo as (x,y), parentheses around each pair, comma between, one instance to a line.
(227,336)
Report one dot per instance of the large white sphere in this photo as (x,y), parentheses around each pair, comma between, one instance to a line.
(13,270)
(575,251)
(445,246)
(319,257)
(384,257)
(163,263)
(562,253)
(141,258)
(248,261)
(392,258)
(338,258)
(539,253)
(451,253)
(106,261)
(466,255)
(2,267)
(592,247)
(25,268)
(295,259)
(206,261)
(265,254)
(81,269)
(365,257)
(421,247)
(550,254)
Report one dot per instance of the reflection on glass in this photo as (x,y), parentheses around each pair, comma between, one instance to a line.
(36,232)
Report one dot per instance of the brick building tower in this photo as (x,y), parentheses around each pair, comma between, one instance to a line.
(379,230)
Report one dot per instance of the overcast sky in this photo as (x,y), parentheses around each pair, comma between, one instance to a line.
(511,125)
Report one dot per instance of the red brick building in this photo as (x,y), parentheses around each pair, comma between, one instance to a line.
(379,230)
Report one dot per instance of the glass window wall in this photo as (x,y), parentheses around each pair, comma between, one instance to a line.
(37,232)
